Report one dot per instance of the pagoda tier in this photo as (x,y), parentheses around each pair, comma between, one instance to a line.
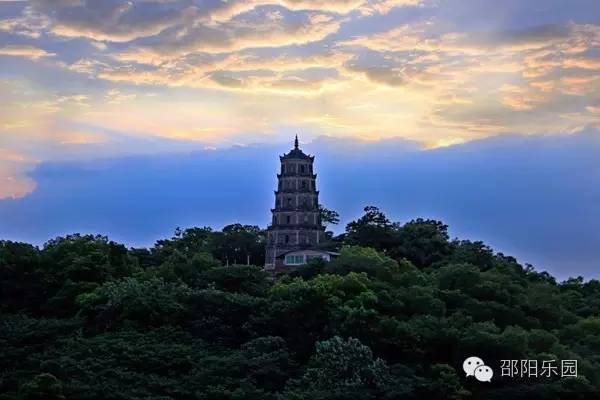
(304,175)
(285,191)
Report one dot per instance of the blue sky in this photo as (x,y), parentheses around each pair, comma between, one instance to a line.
(533,197)
(127,101)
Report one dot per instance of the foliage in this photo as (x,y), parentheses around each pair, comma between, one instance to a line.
(148,303)
(328,216)
(392,317)
(235,243)
(42,387)
(373,229)
(361,259)
(341,369)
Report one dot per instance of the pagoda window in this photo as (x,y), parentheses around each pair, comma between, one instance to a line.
(294,260)
(302,168)
(287,238)
(288,219)
(303,184)
(289,201)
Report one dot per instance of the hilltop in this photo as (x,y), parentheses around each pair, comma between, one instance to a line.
(392,317)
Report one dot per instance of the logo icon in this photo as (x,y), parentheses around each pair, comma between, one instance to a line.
(483,373)
(474,366)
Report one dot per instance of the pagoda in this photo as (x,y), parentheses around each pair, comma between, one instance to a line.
(296,229)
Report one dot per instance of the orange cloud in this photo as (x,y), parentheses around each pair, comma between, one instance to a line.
(235,36)
(15,186)
(26,51)
(584,63)
(14,182)
(256,66)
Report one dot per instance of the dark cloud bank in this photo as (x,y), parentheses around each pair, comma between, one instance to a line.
(534,197)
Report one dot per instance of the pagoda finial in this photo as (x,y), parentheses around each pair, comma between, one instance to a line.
(296,143)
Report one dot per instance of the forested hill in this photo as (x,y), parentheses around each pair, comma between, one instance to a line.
(393,317)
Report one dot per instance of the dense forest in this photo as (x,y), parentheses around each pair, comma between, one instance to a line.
(393,317)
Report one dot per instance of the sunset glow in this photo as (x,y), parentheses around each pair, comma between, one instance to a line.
(438,72)
(82,77)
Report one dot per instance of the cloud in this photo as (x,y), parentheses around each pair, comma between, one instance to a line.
(26,51)
(125,21)
(580,85)
(14,186)
(583,63)
(14,182)
(502,79)
(230,9)
(230,71)
(110,20)
(115,96)
(425,36)
(227,10)
(29,23)
(521,98)
(278,72)
(252,30)
(385,6)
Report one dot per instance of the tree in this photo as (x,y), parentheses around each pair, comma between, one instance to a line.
(360,259)
(342,368)
(241,244)
(179,267)
(187,242)
(423,242)
(328,216)
(444,384)
(268,363)
(373,229)
(42,387)
(22,282)
(85,318)
(75,264)
(148,303)
(238,278)
(85,258)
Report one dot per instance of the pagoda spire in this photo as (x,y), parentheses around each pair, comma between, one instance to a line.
(296,143)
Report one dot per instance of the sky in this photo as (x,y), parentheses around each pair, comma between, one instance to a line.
(130,118)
